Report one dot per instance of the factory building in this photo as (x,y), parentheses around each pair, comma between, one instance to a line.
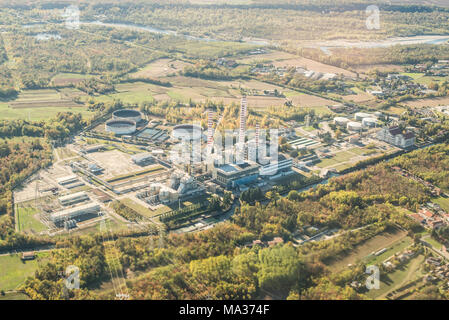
(67,180)
(73,198)
(234,175)
(394,136)
(95,148)
(94,169)
(283,165)
(73,213)
(143,159)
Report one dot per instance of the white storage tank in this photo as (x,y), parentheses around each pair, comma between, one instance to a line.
(341,121)
(354,126)
(121,126)
(127,114)
(359,116)
(369,122)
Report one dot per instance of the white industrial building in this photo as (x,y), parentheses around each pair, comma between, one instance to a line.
(143,158)
(72,213)
(73,198)
(394,136)
(282,165)
(67,180)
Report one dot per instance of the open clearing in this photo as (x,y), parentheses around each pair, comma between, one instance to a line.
(146,212)
(65,79)
(397,279)
(41,99)
(28,221)
(443,202)
(283,59)
(187,89)
(377,243)
(14,271)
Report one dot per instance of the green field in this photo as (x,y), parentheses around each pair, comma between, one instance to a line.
(397,279)
(27,221)
(13,271)
(146,212)
(14,296)
(443,202)
(393,249)
(152,170)
(37,114)
(336,159)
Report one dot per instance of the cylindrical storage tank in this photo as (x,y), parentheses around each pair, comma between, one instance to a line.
(187,132)
(127,114)
(341,121)
(354,126)
(369,122)
(359,116)
(121,126)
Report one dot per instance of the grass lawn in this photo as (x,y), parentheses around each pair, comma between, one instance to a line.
(146,212)
(64,153)
(13,271)
(27,222)
(393,249)
(398,278)
(343,156)
(152,171)
(37,114)
(336,160)
(327,163)
(362,252)
(357,150)
(433,242)
(14,296)
(343,167)
(443,202)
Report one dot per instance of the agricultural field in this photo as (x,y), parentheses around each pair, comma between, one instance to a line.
(41,99)
(160,68)
(428,102)
(66,79)
(42,104)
